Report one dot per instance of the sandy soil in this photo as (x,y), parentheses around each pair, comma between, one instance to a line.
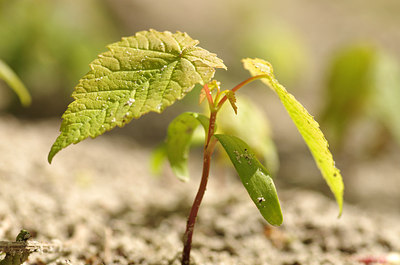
(100,201)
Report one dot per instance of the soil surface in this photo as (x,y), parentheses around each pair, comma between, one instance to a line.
(99,200)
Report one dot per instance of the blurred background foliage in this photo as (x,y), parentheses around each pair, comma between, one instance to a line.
(13,81)
(363,86)
(49,44)
(339,58)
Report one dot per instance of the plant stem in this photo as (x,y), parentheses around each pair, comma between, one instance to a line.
(236,88)
(207,152)
(208,95)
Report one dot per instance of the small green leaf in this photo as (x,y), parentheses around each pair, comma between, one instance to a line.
(232,99)
(306,125)
(15,83)
(180,132)
(214,85)
(254,177)
(143,73)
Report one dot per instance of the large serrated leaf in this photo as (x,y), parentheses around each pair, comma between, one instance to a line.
(143,73)
(306,125)
(180,132)
(254,177)
(15,83)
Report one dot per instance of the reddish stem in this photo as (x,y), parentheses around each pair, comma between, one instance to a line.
(236,88)
(208,150)
(208,95)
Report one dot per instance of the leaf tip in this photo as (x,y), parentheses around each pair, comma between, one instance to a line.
(184,179)
(340,204)
(181,174)
(340,213)
(277,221)
(26,102)
(53,151)
(24,96)
(50,156)
(257,66)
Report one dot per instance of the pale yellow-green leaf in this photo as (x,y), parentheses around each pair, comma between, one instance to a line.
(142,73)
(232,99)
(306,125)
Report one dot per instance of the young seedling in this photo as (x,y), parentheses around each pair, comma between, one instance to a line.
(149,72)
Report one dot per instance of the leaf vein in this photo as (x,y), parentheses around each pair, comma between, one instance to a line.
(169,82)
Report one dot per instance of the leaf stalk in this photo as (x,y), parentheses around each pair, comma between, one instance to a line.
(240,85)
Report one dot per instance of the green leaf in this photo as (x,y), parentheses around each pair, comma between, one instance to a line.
(254,177)
(307,126)
(15,83)
(232,99)
(180,132)
(143,73)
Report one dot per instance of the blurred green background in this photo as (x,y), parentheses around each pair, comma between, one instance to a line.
(339,58)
